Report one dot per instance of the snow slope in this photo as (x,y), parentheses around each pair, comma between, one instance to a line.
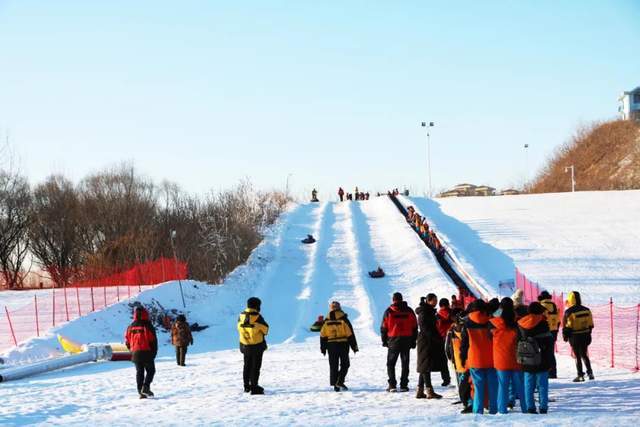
(295,282)
(586,241)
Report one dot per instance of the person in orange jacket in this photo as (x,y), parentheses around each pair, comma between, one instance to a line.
(452,350)
(505,342)
(476,352)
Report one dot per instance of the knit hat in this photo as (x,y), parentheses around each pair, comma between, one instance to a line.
(181,318)
(397,297)
(254,303)
(544,295)
(536,308)
(335,305)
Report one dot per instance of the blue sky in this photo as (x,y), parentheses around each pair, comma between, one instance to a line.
(206,93)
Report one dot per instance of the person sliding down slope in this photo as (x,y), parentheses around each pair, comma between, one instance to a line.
(336,336)
(252,329)
(399,331)
(309,239)
(141,340)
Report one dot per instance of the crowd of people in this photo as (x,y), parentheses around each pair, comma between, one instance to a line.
(421,226)
(502,351)
(356,195)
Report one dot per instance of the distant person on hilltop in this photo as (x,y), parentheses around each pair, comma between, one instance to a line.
(577,325)
(314,195)
(341,194)
(252,330)
(181,338)
(399,332)
(141,340)
(553,319)
(336,336)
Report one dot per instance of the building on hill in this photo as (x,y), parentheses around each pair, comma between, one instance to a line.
(485,190)
(469,190)
(509,192)
(630,104)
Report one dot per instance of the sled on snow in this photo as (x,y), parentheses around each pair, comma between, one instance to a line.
(309,240)
(377,274)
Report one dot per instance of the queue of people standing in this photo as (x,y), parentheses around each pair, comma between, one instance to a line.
(502,350)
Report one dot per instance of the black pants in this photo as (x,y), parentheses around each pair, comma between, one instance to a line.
(464,388)
(392,358)
(142,367)
(181,354)
(424,380)
(553,372)
(445,374)
(580,347)
(252,365)
(338,362)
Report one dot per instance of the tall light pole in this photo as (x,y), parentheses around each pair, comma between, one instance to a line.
(175,260)
(428,125)
(573,177)
(526,163)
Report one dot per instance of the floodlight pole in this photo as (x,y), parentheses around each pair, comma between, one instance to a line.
(428,125)
(175,260)
(573,177)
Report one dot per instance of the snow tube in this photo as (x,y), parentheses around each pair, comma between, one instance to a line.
(69,346)
(118,347)
(120,356)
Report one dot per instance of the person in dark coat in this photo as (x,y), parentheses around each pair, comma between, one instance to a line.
(141,340)
(534,325)
(398,331)
(431,357)
(181,338)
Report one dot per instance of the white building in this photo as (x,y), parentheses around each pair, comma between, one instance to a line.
(630,104)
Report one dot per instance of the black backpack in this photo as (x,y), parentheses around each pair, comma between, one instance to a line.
(528,352)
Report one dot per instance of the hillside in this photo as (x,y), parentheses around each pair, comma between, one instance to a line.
(606,156)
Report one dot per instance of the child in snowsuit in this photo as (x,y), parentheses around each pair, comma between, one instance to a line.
(181,338)
(141,340)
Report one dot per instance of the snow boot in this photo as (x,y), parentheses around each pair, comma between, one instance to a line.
(342,386)
(432,394)
(591,377)
(420,393)
(446,383)
(247,388)
(532,411)
(543,411)
(467,410)
(392,389)
(579,379)
(256,389)
(336,388)
(404,389)
(142,396)
(146,390)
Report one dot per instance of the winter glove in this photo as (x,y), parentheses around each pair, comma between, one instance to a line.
(413,344)
(191,342)
(385,344)
(355,350)
(324,352)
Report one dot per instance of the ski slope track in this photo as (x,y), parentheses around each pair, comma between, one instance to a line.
(295,282)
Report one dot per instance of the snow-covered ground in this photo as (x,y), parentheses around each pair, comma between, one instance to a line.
(295,282)
(585,241)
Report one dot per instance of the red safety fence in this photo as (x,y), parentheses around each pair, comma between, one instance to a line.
(60,305)
(616,332)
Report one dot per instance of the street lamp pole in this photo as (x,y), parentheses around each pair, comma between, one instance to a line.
(287,186)
(175,260)
(573,177)
(428,125)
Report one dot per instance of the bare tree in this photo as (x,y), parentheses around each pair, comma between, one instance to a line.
(15,200)
(56,231)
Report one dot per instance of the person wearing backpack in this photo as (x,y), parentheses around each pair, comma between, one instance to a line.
(535,354)
(476,353)
(399,332)
(505,342)
(252,329)
(553,319)
(336,336)
(576,328)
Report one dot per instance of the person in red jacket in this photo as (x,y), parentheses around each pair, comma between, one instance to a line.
(399,332)
(443,324)
(476,353)
(141,340)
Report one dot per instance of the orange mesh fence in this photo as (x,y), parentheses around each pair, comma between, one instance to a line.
(616,333)
(61,305)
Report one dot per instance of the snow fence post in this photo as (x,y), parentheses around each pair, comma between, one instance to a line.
(66,303)
(93,305)
(611,330)
(78,300)
(104,290)
(13,334)
(118,292)
(35,301)
(53,315)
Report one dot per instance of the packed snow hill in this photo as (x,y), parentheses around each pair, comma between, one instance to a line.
(295,283)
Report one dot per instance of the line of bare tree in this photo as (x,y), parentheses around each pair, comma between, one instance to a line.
(116,218)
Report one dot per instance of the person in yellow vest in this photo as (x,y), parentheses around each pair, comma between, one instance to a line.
(577,324)
(553,319)
(336,336)
(452,350)
(252,329)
